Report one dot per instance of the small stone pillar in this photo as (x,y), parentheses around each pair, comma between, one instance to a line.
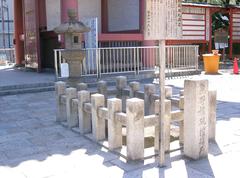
(149,90)
(98,124)
(212,106)
(196,118)
(102,89)
(134,87)
(114,127)
(82,86)
(84,117)
(71,93)
(181,123)
(168,92)
(60,88)
(135,129)
(121,83)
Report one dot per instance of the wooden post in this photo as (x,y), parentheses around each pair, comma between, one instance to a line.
(231,34)
(162,63)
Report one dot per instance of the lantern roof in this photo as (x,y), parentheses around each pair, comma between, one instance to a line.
(73,25)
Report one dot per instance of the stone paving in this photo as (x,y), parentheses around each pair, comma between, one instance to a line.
(13,76)
(33,145)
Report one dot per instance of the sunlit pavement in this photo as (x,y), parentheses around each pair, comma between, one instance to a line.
(33,145)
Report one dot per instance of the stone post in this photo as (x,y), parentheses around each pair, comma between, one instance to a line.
(60,88)
(102,89)
(196,118)
(71,93)
(168,92)
(84,117)
(121,83)
(212,106)
(114,127)
(149,89)
(82,86)
(181,123)
(135,129)
(98,124)
(134,87)
(167,125)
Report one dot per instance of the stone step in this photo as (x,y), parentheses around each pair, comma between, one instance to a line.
(26,90)
(25,86)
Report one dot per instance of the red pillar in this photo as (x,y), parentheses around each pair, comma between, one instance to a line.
(65,6)
(42,15)
(18,30)
(141,15)
(104,14)
(231,34)
(210,33)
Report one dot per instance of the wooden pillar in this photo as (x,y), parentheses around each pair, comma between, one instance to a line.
(104,14)
(210,32)
(141,15)
(231,34)
(42,15)
(18,30)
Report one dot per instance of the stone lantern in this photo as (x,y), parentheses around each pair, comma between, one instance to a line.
(73,53)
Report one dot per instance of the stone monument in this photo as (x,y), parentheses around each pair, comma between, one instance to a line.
(73,52)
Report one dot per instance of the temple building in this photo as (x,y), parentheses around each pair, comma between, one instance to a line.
(119,23)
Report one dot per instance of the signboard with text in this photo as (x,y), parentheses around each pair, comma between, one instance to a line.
(91,41)
(163,19)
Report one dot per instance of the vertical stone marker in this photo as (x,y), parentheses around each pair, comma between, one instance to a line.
(149,89)
(60,88)
(135,129)
(212,106)
(114,127)
(71,93)
(84,117)
(196,118)
(98,124)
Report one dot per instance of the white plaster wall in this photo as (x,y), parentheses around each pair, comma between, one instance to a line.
(53,8)
(90,8)
(123,15)
(10,8)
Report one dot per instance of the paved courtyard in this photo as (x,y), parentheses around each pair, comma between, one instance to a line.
(33,145)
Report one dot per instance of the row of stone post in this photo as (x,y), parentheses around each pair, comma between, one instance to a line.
(196,127)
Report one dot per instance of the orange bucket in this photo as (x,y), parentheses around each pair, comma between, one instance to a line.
(211,63)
